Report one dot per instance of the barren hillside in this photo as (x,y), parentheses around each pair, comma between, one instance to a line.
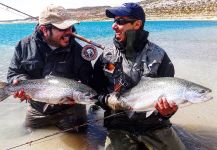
(186,9)
(159,9)
(154,9)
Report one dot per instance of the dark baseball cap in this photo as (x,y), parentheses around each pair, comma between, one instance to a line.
(132,10)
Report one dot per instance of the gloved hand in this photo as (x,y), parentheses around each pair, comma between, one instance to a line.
(116,104)
(20,94)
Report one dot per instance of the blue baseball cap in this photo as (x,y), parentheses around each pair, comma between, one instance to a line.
(132,10)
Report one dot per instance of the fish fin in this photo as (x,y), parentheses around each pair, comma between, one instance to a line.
(146,78)
(3,94)
(148,113)
(130,113)
(185,104)
(49,76)
(76,128)
(45,107)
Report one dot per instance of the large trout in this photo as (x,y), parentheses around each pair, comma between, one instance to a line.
(146,93)
(53,90)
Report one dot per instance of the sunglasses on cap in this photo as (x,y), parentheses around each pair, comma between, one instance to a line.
(122,21)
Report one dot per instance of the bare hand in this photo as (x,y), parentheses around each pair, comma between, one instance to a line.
(67,100)
(165,108)
(20,94)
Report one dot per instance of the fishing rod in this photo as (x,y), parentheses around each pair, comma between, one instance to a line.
(73,34)
(19,11)
(87,41)
(64,131)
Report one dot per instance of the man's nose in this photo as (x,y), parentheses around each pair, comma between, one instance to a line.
(114,26)
(68,31)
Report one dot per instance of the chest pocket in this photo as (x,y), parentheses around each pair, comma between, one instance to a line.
(34,68)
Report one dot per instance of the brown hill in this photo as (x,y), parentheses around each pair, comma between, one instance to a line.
(183,9)
(158,9)
(154,9)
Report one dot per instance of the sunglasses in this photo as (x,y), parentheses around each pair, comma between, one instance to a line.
(122,21)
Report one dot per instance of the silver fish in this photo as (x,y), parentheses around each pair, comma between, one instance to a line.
(53,90)
(146,93)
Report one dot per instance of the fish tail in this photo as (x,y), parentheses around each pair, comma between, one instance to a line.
(3,94)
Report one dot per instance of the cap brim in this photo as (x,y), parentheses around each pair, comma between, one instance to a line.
(65,24)
(121,11)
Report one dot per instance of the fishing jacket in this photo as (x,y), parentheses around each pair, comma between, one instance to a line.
(113,71)
(34,59)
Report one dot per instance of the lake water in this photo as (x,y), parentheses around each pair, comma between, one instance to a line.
(192,47)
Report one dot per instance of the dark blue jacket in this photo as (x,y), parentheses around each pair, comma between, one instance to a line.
(34,59)
(148,60)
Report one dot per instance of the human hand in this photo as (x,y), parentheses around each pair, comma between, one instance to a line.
(165,108)
(67,100)
(21,93)
(116,104)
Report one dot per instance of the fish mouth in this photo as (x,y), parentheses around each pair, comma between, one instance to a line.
(93,97)
(206,96)
(90,97)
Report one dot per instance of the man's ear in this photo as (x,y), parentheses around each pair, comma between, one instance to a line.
(137,24)
(43,29)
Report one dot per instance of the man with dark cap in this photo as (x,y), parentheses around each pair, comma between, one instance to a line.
(51,50)
(119,69)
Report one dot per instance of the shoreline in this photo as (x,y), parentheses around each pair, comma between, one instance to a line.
(152,18)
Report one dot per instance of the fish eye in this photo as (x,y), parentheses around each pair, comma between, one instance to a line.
(202,91)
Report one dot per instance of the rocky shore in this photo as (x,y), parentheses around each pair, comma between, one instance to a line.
(154,9)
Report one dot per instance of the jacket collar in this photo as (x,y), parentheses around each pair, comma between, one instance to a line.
(135,42)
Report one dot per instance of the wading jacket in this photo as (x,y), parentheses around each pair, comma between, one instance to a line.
(34,59)
(114,72)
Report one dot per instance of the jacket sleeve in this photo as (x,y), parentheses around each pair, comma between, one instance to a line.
(166,68)
(15,70)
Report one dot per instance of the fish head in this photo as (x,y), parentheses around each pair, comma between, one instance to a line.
(85,95)
(198,93)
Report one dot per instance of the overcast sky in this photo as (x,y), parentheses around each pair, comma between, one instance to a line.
(34,7)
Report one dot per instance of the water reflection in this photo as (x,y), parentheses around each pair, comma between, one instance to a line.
(204,139)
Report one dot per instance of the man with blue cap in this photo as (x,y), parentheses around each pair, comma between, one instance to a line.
(119,69)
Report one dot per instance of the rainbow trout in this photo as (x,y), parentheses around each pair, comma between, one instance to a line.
(53,90)
(146,93)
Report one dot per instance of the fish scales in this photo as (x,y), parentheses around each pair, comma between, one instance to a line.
(147,92)
(52,90)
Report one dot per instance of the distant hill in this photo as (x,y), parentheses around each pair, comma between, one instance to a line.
(155,10)
(159,9)
(89,13)
(183,9)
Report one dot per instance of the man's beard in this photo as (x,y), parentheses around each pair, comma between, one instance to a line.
(52,42)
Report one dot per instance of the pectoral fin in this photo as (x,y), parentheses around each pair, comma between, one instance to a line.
(149,113)
(45,107)
(130,113)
